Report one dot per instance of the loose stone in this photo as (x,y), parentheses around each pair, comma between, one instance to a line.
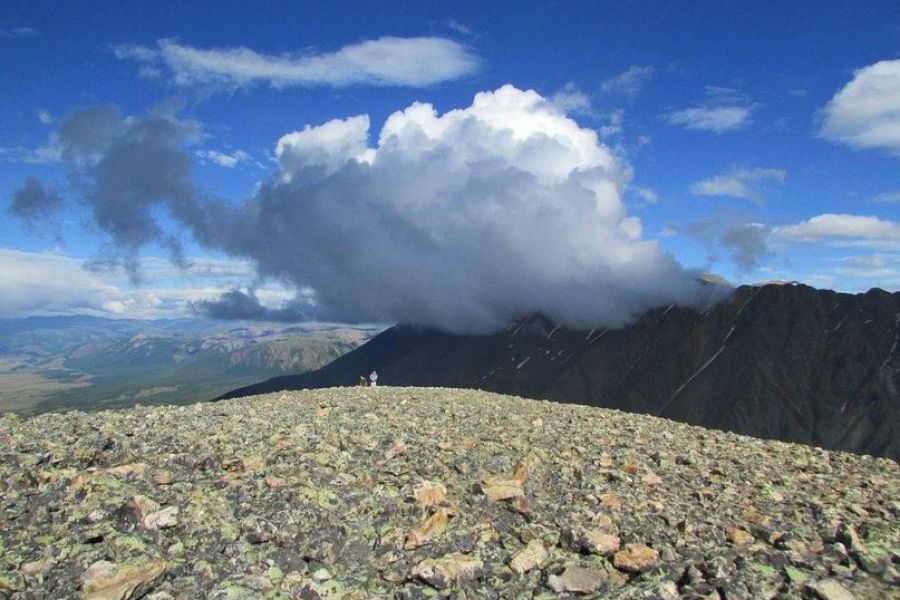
(531,557)
(636,558)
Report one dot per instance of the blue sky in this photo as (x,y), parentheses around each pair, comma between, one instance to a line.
(756,140)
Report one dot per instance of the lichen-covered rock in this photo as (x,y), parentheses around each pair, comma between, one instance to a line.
(496,488)
(104,580)
(636,558)
(429,493)
(739,537)
(829,589)
(577,580)
(420,493)
(433,526)
(530,557)
(448,570)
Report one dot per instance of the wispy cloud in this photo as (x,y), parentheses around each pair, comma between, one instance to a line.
(747,242)
(865,113)
(892,196)
(724,109)
(738,183)
(646,195)
(878,270)
(572,100)
(223,159)
(628,83)
(17,32)
(41,155)
(459,27)
(386,61)
(844,230)
(718,119)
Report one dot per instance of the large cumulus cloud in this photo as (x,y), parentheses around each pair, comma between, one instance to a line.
(462,220)
(865,113)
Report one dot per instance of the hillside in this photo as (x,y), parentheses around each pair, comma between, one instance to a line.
(785,362)
(419,493)
(52,363)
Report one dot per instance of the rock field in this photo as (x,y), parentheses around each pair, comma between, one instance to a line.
(431,493)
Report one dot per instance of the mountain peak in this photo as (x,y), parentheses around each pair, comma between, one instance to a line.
(785,362)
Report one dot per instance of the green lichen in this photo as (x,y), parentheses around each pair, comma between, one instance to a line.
(796,576)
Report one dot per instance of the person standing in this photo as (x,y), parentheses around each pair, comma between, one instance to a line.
(373,379)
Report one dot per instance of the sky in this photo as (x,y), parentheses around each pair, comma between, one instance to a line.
(450,164)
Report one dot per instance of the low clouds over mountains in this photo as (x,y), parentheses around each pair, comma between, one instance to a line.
(462,220)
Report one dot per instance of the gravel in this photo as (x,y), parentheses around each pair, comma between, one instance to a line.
(431,493)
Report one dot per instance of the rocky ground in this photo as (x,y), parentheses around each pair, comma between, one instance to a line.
(422,493)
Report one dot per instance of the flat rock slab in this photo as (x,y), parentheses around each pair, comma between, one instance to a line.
(417,492)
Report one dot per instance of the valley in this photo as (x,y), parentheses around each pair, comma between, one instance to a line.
(86,363)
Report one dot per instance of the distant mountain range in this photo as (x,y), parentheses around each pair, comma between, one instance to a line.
(779,361)
(50,363)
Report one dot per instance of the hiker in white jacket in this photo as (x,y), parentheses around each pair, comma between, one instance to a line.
(373,379)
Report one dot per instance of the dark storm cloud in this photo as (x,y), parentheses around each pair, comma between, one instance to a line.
(33,202)
(125,169)
(245,306)
(748,243)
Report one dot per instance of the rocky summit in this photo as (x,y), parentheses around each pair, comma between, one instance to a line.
(779,361)
(431,493)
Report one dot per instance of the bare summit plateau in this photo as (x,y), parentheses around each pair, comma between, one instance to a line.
(365,492)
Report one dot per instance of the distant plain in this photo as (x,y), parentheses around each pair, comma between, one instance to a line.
(87,363)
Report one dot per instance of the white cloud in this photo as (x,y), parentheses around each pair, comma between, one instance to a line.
(737,183)
(844,230)
(874,261)
(725,109)
(386,61)
(628,83)
(892,196)
(718,119)
(52,283)
(203,271)
(33,283)
(328,146)
(135,52)
(459,27)
(876,270)
(571,100)
(41,155)
(646,194)
(611,123)
(461,220)
(229,161)
(44,117)
(865,113)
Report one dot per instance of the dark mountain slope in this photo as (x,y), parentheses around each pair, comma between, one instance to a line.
(786,362)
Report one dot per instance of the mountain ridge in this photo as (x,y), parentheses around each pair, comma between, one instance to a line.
(778,361)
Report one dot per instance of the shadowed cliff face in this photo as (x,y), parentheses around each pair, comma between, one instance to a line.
(786,362)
